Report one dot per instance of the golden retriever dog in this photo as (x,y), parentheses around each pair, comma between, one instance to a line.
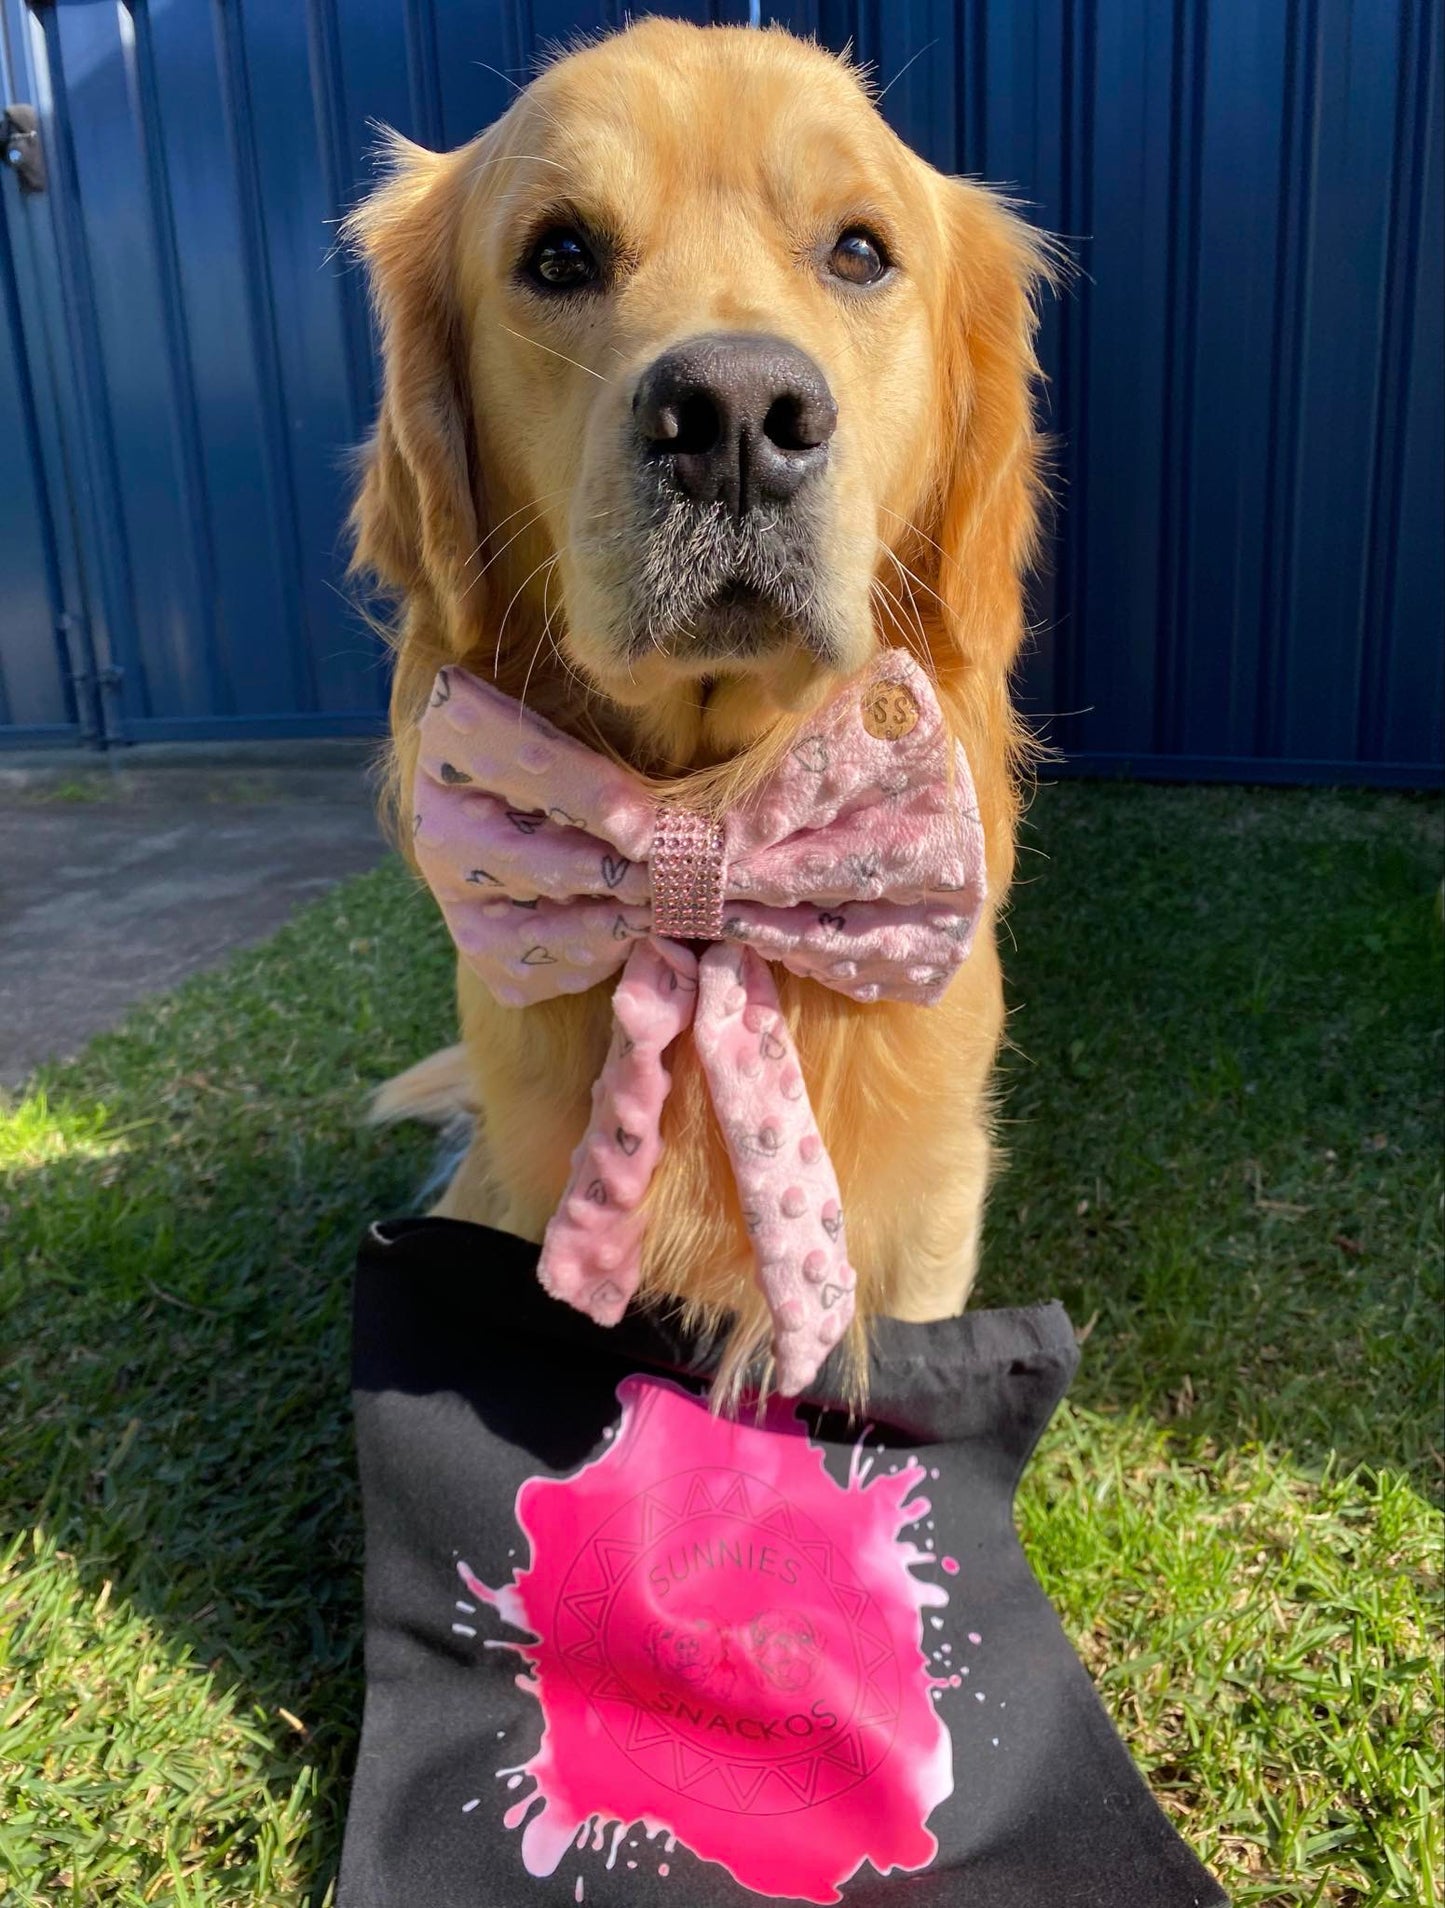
(720,220)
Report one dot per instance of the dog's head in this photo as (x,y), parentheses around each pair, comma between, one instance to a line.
(699,385)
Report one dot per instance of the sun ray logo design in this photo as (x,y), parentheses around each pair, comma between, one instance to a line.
(726,1649)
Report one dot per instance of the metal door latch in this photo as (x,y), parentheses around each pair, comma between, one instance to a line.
(21,149)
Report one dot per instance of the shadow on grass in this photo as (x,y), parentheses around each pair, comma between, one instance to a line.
(1225,1156)
(1224,1112)
(180,1213)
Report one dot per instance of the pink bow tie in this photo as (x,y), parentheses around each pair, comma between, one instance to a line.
(857,863)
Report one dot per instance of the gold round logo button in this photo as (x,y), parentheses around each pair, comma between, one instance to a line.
(889,711)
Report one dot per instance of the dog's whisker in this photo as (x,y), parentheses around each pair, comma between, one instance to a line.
(527,679)
(506,613)
(915,579)
(536,510)
(891,614)
(575,363)
(530,524)
(887,603)
(883,93)
(922,650)
(506,78)
(547,614)
(922,535)
(532,503)
(884,602)
(519,158)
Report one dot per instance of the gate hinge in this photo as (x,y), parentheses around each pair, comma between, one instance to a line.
(21,146)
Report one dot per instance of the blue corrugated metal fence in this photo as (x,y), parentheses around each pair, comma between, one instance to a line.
(1247,379)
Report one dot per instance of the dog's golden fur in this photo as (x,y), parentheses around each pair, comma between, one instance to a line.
(720,154)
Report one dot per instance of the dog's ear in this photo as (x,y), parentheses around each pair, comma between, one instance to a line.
(414,523)
(986,509)
(984,514)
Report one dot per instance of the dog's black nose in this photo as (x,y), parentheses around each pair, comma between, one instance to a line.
(737,419)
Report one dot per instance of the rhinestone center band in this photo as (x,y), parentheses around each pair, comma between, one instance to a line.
(688,872)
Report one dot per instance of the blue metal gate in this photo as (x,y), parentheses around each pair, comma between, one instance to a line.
(1247,379)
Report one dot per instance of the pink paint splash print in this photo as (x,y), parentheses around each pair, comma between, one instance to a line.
(727,1652)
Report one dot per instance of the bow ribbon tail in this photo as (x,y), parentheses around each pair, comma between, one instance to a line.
(592,1250)
(785,1179)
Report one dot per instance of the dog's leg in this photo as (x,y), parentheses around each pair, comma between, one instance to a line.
(473,1194)
(908,1114)
(531,1074)
(941,1260)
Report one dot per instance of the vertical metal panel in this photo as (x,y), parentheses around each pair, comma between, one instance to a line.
(164,651)
(1354,56)
(1246,379)
(1117,170)
(1210,615)
(33,685)
(1404,685)
(63,287)
(299,334)
(240,503)
(35,694)
(485,55)
(53,690)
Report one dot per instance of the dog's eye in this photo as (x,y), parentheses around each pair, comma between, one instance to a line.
(561,260)
(858,257)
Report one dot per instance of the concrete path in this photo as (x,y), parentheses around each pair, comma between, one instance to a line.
(117,879)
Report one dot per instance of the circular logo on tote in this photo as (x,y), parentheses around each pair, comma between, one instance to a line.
(889,711)
(726,1646)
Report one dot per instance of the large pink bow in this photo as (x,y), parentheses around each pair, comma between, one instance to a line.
(857,863)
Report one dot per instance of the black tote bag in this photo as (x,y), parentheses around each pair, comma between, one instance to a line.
(622,1650)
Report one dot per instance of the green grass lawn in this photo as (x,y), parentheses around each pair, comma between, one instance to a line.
(1223,1112)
